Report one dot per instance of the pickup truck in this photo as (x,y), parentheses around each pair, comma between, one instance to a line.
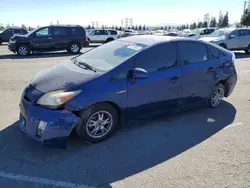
(102,35)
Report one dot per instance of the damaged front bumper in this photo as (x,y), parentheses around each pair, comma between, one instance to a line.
(59,124)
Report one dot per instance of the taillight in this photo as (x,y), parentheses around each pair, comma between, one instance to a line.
(233,59)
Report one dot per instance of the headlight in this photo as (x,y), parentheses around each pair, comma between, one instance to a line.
(56,98)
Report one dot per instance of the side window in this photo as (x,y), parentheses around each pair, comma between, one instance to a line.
(244,32)
(210,31)
(77,31)
(214,53)
(104,32)
(112,32)
(203,32)
(158,58)
(8,31)
(17,31)
(60,31)
(43,32)
(235,33)
(97,32)
(193,52)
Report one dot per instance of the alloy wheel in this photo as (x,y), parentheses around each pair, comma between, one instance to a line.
(74,48)
(99,124)
(23,51)
(217,97)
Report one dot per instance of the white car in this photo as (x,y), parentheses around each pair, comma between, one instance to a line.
(201,32)
(102,35)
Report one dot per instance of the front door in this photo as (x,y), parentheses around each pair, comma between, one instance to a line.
(234,42)
(160,90)
(198,73)
(43,39)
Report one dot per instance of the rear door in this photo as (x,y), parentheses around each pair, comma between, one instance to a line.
(198,73)
(60,39)
(42,39)
(244,38)
(160,90)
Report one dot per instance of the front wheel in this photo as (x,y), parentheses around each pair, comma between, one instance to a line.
(98,123)
(217,95)
(23,50)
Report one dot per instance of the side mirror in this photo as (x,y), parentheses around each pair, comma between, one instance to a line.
(232,36)
(139,73)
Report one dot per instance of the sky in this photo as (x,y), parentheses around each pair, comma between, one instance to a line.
(110,12)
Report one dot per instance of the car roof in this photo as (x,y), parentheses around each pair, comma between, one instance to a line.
(63,26)
(152,39)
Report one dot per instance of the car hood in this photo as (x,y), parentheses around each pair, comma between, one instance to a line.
(63,76)
(19,37)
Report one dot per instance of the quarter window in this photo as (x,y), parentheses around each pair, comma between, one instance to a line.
(159,58)
(193,52)
(77,31)
(214,53)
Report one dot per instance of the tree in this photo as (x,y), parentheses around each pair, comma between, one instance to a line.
(245,18)
(213,22)
(92,27)
(136,28)
(205,24)
(24,27)
(133,27)
(220,22)
(161,28)
(200,24)
(225,21)
(113,27)
(187,26)
(89,27)
(169,27)
(1,27)
(120,28)
(166,28)
(128,27)
(193,26)
(144,28)
(140,27)
(116,28)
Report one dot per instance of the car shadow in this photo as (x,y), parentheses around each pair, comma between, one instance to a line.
(242,55)
(4,44)
(38,55)
(130,151)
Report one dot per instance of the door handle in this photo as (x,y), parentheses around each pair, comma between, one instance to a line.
(174,79)
(210,70)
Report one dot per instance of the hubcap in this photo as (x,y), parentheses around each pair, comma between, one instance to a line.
(74,48)
(217,96)
(99,124)
(23,51)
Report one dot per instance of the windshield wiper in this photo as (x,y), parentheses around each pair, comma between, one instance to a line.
(86,66)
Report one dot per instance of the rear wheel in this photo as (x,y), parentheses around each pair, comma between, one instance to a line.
(217,95)
(23,50)
(109,40)
(98,123)
(74,48)
(247,51)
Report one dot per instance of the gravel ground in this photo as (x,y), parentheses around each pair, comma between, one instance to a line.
(200,148)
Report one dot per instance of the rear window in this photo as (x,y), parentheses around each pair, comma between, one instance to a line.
(77,31)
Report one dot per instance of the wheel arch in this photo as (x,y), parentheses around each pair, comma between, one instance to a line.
(226,85)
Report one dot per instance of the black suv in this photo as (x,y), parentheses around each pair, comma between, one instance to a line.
(50,38)
(10,32)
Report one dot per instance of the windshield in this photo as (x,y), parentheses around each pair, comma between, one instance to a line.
(220,33)
(110,55)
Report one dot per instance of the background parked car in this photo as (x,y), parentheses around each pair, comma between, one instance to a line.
(71,38)
(102,35)
(201,32)
(231,38)
(10,32)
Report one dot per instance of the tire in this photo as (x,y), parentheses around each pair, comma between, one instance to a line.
(23,50)
(92,123)
(74,48)
(223,46)
(248,50)
(217,95)
(1,41)
(109,40)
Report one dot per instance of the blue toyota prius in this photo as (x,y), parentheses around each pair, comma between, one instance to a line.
(125,79)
